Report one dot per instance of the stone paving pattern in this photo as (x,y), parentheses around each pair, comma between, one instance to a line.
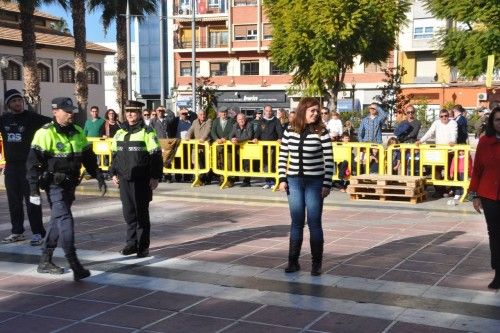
(436,247)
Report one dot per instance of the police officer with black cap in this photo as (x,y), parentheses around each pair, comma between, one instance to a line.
(57,153)
(136,167)
(18,128)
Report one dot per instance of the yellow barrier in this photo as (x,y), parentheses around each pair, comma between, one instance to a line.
(437,163)
(357,155)
(246,160)
(192,158)
(102,148)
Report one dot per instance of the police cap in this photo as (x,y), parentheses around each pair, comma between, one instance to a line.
(64,103)
(133,106)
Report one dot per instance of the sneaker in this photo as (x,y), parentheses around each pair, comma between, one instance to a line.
(14,238)
(36,240)
(266,187)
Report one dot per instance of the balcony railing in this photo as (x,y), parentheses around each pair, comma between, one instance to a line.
(186,10)
(204,45)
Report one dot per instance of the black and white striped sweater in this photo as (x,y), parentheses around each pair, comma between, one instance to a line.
(306,155)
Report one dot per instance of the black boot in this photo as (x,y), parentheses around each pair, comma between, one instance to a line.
(46,265)
(495,284)
(293,256)
(317,257)
(79,272)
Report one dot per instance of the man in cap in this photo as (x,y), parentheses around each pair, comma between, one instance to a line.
(137,167)
(222,127)
(57,153)
(18,128)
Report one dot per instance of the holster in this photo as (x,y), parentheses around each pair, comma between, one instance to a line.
(45,180)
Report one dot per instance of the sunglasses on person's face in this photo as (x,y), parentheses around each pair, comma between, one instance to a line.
(145,114)
(184,114)
(444,116)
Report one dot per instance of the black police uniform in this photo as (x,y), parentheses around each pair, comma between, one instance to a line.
(17,131)
(54,161)
(136,160)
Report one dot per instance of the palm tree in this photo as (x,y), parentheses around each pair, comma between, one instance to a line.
(116,10)
(79,31)
(61,26)
(30,73)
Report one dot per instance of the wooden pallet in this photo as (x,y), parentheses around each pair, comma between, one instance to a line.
(389,198)
(407,191)
(411,181)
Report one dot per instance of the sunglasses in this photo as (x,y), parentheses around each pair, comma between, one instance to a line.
(444,116)
(145,114)
(184,114)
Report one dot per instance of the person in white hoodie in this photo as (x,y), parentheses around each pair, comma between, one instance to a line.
(444,130)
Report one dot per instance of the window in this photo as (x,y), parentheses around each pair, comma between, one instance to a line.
(214,3)
(66,74)
(245,32)
(13,71)
(374,68)
(274,70)
(92,76)
(423,32)
(250,67)
(218,68)
(186,68)
(43,73)
(267,31)
(245,3)
(217,38)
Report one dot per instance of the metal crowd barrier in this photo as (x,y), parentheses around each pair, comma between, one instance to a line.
(437,163)
(191,158)
(102,148)
(260,160)
(357,156)
(248,159)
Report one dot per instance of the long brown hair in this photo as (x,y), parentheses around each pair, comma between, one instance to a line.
(299,124)
(490,129)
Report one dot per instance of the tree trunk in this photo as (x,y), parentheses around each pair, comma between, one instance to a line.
(30,73)
(121,54)
(79,31)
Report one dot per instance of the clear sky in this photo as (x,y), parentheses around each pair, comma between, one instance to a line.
(95,30)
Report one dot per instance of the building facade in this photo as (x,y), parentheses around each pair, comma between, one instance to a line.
(232,48)
(55,58)
(428,78)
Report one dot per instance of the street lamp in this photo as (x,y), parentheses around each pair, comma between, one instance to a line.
(353,86)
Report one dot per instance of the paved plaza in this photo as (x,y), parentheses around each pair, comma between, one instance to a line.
(217,259)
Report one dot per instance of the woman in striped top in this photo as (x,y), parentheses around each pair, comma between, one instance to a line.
(305,171)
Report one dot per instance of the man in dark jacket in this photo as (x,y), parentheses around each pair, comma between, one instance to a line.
(163,124)
(220,132)
(243,132)
(462,131)
(270,130)
(413,125)
(137,167)
(18,128)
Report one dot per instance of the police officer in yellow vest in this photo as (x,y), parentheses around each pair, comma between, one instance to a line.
(56,155)
(136,167)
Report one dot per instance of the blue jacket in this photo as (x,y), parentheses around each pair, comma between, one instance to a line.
(370,130)
(462,134)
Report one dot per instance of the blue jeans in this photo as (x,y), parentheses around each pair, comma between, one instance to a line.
(305,197)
